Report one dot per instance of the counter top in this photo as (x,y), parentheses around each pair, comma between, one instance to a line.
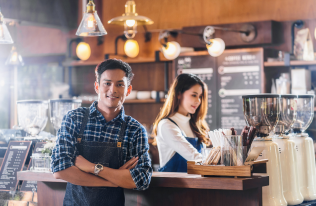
(173,179)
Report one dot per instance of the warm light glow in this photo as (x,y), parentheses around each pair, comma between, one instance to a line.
(172,50)
(216,48)
(130,29)
(131,48)
(315,33)
(91,22)
(14,57)
(83,51)
(130,22)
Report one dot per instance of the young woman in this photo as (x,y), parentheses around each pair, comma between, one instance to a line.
(180,128)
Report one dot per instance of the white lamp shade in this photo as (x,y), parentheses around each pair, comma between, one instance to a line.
(83,51)
(91,25)
(14,58)
(216,48)
(131,48)
(172,50)
(5,37)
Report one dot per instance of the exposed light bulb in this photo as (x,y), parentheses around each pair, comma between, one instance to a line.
(172,50)
(130,31)
(91,23)
(216,48)
(131,48)
(83,51)
(130,22)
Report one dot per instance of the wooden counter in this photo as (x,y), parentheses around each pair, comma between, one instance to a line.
(167,189)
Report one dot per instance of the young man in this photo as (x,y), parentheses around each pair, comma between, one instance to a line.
(100,150)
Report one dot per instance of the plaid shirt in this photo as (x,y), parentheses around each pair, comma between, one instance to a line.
(135,142)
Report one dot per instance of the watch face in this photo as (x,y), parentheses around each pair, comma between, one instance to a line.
(99,166)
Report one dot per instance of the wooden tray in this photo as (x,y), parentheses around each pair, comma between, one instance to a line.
(259,166)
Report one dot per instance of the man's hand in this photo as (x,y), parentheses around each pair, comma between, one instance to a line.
(84,164)
(130,164)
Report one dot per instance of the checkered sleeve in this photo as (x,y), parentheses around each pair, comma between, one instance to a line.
(64,151)
(141,174)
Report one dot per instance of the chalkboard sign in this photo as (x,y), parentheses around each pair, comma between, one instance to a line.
(29,185)
(13,162)
(239,73)
(204,67)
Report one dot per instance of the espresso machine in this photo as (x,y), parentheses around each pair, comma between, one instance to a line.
(262,111)
(287,150)
(304,146)
(32,117)
(58,108)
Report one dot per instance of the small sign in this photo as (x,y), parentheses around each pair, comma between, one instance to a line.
(13,162)
(239,72)
(29,185)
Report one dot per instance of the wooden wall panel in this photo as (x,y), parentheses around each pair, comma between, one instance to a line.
(180,13)
(177,14)
(148,76)
(145,113)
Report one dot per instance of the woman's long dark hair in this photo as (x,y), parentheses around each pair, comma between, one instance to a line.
(182,83)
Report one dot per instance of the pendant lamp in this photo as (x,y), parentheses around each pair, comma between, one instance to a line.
(130,19)
(91,24)
(5,37)
(14,58)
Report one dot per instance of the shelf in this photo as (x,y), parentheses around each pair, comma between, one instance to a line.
(127,60)
(292,63)
(131,101)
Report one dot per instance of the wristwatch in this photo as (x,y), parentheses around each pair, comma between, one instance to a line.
(97,169)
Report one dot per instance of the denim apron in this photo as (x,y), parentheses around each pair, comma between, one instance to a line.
(177,163)
(108,154)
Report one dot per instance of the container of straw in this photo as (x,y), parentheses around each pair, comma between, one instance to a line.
(233,153)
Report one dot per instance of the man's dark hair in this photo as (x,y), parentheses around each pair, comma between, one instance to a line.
(114,64)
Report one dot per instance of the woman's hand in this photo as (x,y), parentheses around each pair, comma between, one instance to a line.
(84,164)
(130,164)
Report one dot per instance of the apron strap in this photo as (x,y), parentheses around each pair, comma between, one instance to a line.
(83,124)
(177,125)
(122,134)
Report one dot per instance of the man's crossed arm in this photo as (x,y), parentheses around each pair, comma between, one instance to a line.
(82,174)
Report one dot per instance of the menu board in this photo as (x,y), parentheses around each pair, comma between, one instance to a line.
(239,73)
(29,185)
(204,67)
(13,162)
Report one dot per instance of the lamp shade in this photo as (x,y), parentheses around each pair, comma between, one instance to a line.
(130,17)
(131,48)
(91,24)
(172,50)
(216,48)
(14,58)
(83,51)
(5,37)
